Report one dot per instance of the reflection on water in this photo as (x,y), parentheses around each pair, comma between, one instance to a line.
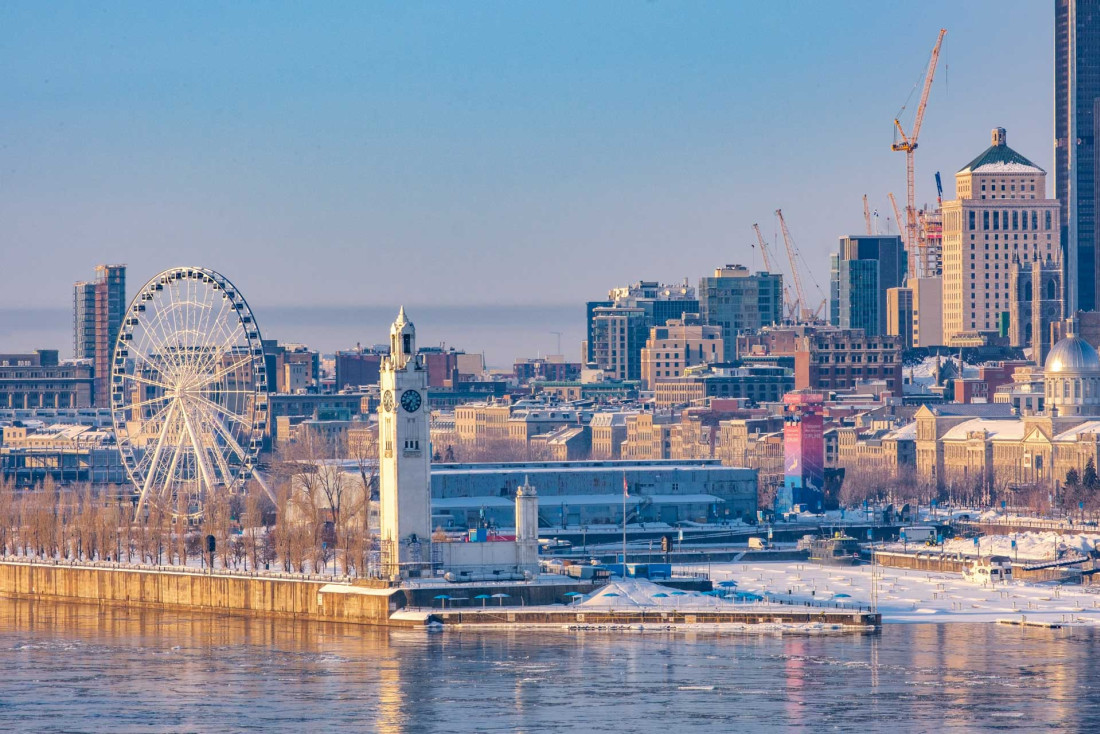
(74,667)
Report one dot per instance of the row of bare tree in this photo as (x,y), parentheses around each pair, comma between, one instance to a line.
(319,520)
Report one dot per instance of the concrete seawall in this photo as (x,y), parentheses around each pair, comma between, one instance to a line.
(224,594)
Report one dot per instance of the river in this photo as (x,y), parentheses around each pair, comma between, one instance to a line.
(70,667)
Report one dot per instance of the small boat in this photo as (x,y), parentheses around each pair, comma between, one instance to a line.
(988,571)
(838,550)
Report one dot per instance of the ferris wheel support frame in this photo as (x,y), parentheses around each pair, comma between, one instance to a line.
(193,386)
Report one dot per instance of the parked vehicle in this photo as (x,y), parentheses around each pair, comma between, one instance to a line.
(989,570)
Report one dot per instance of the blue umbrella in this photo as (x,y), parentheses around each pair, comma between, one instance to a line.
(727,584)
(443,598)
(572,595)
(483,597)
(842,596)
(502,597)
(612,593)
(679,593)
(660,595)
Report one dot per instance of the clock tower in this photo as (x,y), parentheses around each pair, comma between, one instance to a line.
(404,457)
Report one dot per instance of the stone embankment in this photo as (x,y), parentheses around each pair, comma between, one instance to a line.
(178,588)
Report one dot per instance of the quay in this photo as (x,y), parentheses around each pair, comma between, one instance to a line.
(323,599)
(664,618)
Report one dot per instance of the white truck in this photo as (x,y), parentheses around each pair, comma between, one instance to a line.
(919,533)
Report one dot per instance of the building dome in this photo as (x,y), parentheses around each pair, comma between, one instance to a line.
(1073,356)
(1072,377)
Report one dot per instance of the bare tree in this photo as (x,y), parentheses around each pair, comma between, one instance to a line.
(7,515)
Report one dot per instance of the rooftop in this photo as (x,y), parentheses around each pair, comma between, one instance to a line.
(999,158)
(1011,429)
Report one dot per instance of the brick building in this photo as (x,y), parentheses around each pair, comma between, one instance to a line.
(839,359)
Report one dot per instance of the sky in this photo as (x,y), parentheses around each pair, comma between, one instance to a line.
(371,154)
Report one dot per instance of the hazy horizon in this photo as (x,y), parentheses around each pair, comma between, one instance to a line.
(502,332)
(489,153)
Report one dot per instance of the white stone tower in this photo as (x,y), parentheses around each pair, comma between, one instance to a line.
(404,457)
(527,527)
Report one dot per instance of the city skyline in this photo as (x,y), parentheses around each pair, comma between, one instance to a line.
(463,171)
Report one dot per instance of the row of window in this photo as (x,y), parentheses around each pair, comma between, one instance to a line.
(993,220)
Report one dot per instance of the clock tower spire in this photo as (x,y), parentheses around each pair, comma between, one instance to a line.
(404,457)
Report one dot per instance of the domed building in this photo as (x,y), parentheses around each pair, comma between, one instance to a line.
(1071,376)
(969,445)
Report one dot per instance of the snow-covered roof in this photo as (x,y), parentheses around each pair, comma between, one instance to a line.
(1006,167)
(609,498)
(609,419)
(907,432)
(999,430)
(1073,433)
(1000,159)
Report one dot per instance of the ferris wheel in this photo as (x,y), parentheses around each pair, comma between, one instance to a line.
(188,390)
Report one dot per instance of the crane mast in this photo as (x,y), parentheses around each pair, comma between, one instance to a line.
(908,144)
(790,306)
(867,214)
(897,215)
(803,308)
(763,247)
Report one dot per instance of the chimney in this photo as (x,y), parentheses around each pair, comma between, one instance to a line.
(1000,137)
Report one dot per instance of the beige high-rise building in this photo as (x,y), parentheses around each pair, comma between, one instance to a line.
(1001,214)
(679,344)
(927,311)
(899,315)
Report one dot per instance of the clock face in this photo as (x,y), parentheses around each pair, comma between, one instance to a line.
(410,400)
(387,401)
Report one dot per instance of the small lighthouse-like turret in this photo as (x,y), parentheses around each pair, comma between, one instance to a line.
(527,527)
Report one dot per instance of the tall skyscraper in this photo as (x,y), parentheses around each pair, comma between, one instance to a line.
(1076,128)
(98,307)
(862,271)
(1000,216)
(740,301)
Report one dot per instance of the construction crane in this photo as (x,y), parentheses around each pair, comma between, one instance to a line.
(939,190)
(867,214)
(908,144)
(897,214)
(803,310)
(788,303)
(763,247)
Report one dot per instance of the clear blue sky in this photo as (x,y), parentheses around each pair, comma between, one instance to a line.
(445,153)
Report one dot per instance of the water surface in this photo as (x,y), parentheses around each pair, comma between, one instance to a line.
(71,667)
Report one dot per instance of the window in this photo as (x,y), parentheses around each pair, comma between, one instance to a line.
(985,220)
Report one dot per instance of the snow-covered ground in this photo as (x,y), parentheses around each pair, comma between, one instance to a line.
(1036,546)
(624,594)
(1030,546)
(913,596)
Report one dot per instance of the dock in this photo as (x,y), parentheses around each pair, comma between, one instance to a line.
(1025,622)
(634,619)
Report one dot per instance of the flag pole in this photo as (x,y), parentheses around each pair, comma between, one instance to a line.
(624,524)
